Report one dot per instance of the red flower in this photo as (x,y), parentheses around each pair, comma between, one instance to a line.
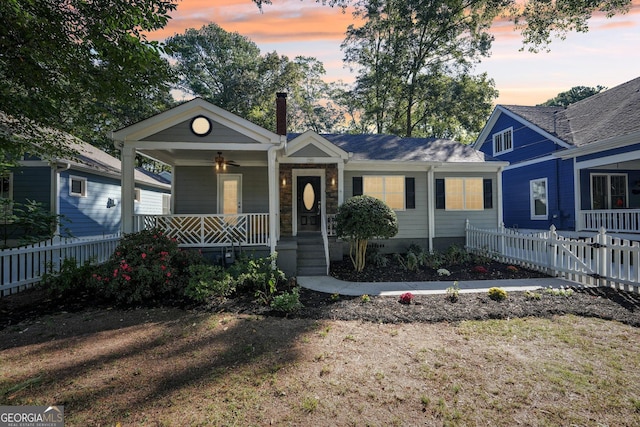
(480,269)
(115,272)
(163,267)
(168,274)
(143,255)
(406,298)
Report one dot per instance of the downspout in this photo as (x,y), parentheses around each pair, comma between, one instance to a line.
(499,198)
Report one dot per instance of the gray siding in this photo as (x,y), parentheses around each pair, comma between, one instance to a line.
(196,189)
(309,151)
(450,223)
(412,223)
(150,202)
(182,132)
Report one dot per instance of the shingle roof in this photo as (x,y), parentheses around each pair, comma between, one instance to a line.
(88,156)
(614,112)
(397,149)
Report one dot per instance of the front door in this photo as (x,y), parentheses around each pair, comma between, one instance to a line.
(309,208)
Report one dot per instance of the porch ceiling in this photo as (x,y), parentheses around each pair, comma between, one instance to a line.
(178,157)
(631,164)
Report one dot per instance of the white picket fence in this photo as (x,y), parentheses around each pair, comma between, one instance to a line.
(598,260)
(22,267)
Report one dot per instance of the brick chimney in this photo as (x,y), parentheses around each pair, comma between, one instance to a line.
(281,113)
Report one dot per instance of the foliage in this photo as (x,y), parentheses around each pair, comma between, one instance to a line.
(575,94)
(456,255)
(375,258)
(480,269)
(258,276)
(562,291)
(29,222)
(365,298)
(71,280)
(74,65)
(206,281)
(533,295)
(453,292)
(228,70)
(443,272)
(497,294)
(414,73)
(361,218)
(287,302)
(406,298)
(146,267)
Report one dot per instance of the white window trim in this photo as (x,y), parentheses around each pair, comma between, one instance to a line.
(501,134)
(532,202)
(384,189)
(137,195)
(609,175)
(82,179)
(464,193)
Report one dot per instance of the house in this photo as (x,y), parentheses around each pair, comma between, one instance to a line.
(85,190)
(575,167)
(238,185)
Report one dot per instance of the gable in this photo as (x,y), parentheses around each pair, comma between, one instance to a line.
(175,125)
(312,145)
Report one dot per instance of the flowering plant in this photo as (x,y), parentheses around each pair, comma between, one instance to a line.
(480,269)
(512,268)
(146,266)
(406,298)
(443,272)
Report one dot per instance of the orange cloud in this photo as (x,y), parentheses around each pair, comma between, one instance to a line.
(283,21)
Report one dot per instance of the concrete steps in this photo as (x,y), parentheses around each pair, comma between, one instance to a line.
(311,258)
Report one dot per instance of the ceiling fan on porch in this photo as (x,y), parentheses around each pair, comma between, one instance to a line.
(221,163)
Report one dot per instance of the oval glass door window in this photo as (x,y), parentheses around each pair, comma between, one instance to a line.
(308,196)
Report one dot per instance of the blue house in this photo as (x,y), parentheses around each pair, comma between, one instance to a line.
(575,167)
(85,190)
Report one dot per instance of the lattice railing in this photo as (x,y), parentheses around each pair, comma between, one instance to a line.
(210,230)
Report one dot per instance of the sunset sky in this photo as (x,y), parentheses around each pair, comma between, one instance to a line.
(608,55)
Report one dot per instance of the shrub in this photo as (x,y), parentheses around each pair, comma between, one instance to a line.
(287,302)
(365,298)
(453,292)
(71,280)
(456,255)
(146,267)
(377,259)
(360,219)
(443,272)
(259,276)
(480,269)
(497,294)
(406,298)
(206,281)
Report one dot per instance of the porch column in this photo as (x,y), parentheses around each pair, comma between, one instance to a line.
(499,189)
(127,187)
(431,203)
(340,182)
(273,198)
(576,197)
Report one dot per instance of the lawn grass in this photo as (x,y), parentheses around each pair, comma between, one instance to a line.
(166,367)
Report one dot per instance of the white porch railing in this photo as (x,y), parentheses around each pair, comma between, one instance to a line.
(193,230)
(614,220)
(600,260)
(24,266)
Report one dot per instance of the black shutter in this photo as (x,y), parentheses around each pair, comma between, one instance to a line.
(488,193)
(410,193)
(440,200)
(357,186)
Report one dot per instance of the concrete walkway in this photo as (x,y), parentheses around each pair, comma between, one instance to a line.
(332,285)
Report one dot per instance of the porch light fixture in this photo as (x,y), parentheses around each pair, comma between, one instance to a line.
(200,126)
(220,163)
(284,182)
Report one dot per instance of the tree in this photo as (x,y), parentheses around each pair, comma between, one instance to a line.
(574,94)
(405,50)
(67,63)
(539,21)
(228,70)
(360,219)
